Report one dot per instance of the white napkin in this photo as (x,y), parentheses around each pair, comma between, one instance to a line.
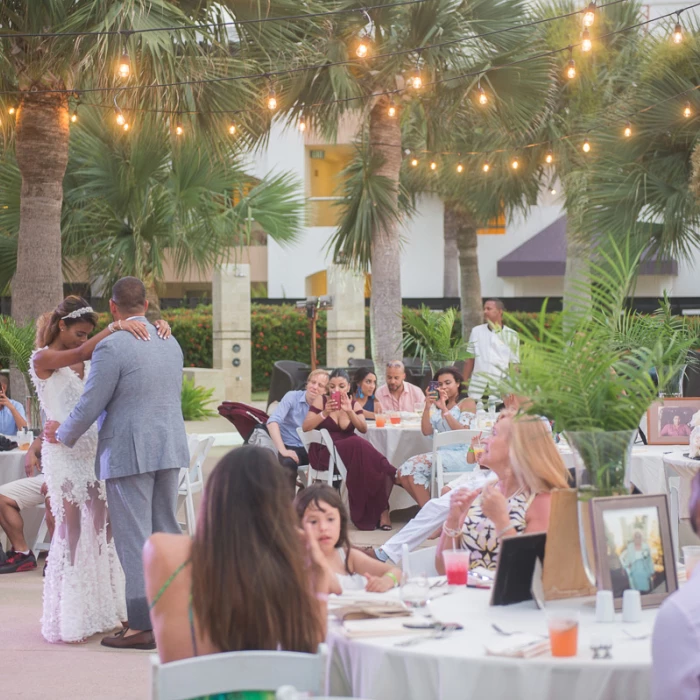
(383,627)
(521,646)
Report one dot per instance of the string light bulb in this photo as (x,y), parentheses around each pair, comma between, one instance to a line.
(74,116)
(589,15)
(272,100)
(391,110)
(12,110)
(362,49)
(179,130)
(414,162)
(124,68)
(121,119)
(586,43)
(571,69)
(483,97)
(416,81)
(677,35)
(460,168)
(687,110)
(549,158)
(628,130)
(486,167)
(125,126)
(232,129)
(586,147)
(515,163)
(302,126)
(433,165)
(552,190)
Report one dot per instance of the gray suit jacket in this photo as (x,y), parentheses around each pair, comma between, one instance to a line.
(136,385)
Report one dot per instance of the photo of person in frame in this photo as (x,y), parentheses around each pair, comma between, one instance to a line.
(674,421)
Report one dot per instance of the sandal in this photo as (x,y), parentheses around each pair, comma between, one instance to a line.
(386,528)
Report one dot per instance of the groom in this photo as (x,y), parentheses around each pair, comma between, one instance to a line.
(135,386)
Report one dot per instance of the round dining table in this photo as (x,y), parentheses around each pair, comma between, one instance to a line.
(678,463)
(458,667)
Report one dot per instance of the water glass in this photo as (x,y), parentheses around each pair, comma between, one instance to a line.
(418,408)
(691,557)
(415,591)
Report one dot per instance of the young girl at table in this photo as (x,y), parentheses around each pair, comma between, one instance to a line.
(322,514)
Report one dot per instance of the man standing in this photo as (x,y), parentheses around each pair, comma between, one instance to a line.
(12,417)
(288,416)
(142,444)
(398,394)
(495,347)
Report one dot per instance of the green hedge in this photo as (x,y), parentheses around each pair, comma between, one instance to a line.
(277,333)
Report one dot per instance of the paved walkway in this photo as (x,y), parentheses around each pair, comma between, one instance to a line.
(33,668)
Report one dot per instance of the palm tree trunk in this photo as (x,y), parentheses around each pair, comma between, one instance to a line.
(153,313)
(450,282)
(577,295)
(470,282)
(385,302)
(41,148)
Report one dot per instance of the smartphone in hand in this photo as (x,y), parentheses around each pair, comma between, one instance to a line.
(335,397)
(433,391)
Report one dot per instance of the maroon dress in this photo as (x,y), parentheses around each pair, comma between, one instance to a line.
(370,476)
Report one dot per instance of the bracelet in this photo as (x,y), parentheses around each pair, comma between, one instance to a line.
(470,451)
(391,575)
(454,534)
(111,327)
(502,531)
(323,597)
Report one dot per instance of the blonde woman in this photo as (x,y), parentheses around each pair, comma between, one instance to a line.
(522,454)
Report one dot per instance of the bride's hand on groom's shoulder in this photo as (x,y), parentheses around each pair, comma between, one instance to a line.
(163,328)
(137,328)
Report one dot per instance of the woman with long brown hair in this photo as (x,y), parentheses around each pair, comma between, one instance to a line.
(84,586)
(249,579)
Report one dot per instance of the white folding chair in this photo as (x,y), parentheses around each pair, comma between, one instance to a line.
(40,543)
(335,463)
(452,437)
(237,671)
(192,479)
(674,511)
(420,561)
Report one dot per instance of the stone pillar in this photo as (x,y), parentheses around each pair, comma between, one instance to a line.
(231,325)
(346,321)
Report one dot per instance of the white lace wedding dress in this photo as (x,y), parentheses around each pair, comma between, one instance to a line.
(84,591)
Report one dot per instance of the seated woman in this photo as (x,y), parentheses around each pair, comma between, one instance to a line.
(370,476)
(241,582)
(442,412)
(522,454)
(322,514)
(364,384)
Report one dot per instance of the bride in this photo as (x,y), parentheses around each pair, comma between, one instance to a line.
(84,587)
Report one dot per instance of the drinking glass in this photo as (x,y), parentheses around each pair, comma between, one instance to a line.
(691,558)
(418,408)
(395,418)
(380,420)
(563,632)
(24,439)
(478,449)
(415,592)
(456,566)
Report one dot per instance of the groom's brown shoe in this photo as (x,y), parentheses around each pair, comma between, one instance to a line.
(142,640)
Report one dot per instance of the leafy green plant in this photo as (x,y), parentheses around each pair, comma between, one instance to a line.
(194,400)
(430,336)
(16,345)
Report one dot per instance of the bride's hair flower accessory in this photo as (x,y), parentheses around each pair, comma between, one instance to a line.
(78,313)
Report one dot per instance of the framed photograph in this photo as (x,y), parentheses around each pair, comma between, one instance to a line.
(633,547)
(668,421)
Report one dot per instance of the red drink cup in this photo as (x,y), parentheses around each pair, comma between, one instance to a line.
(395,419)
(456,566)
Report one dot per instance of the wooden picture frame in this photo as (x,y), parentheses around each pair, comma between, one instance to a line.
(633,533)
(661,418)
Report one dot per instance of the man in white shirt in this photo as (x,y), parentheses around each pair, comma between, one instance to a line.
(495,347)
(675,644)
(398,394)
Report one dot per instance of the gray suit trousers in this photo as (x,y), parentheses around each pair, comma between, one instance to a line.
(131,499)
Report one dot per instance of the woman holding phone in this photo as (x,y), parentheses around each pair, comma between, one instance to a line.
(370,476)
(446,394)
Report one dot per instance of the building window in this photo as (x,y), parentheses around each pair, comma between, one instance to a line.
(324,165)
(497,226)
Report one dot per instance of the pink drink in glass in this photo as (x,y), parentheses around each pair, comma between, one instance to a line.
(456,566)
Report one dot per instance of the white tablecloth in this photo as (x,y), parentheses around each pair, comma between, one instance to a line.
(678,464)
(457,668)
(11,466)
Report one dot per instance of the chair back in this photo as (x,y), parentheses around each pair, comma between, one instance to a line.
(287,375)
(309,438)
(237,671)
(449,437)
(674,512)
(421,561)
(357,362)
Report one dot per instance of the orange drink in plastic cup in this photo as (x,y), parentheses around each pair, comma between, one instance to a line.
(563,633)
(379,420)
(395,418)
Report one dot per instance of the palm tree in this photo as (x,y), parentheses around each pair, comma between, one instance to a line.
(133,201)
(31,66)
(401,37)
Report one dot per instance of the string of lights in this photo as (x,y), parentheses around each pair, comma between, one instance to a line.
(124,65)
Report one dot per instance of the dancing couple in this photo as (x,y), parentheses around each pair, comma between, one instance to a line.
(110,487)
